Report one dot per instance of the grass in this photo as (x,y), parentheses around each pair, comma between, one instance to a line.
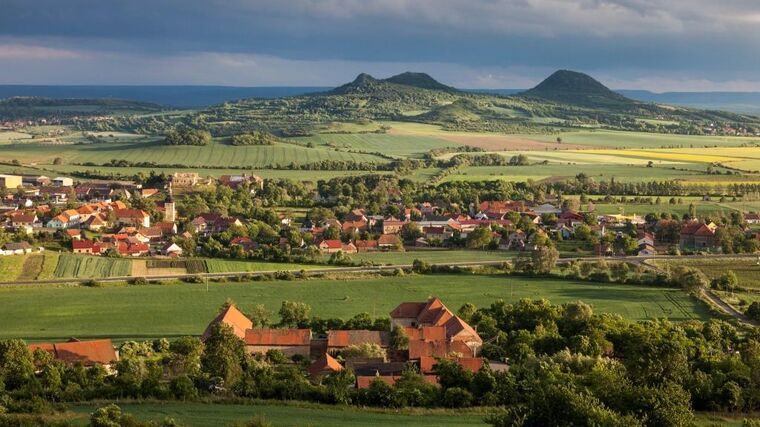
(216,154)
(747,270)
(11,266)
(224,266)
(82,266)
(124,312)
(392,145)
(205,414)
(557,171)
(431,256)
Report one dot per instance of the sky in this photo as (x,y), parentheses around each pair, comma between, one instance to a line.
(658,45)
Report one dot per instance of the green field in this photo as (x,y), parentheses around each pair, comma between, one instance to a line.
(284,415)
(82,266)
(747,270)
(392,145)
(620,139)
(151,311)
(224,266)
(431,256)
(599,172)
(216,154)
(297,175)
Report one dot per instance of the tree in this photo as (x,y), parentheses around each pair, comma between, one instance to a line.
(544,259)
(260,316)
(753,311)
(410,231)
(224,354)
(479,238)
(16,363)
(399,340)
(727,281)
(293,314)
(363,350)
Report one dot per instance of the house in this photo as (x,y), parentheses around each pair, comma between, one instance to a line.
(74,234)
(133,249)
(84,246)
(338,340)
(646,250)
(235,181)
(10,182)
(96,222)
(244,242)
(366,245)
(515,241)
(17,248)
(25,219)
(185,179)
(291,342)
(133,217)
(696,235)
(547,208)
(35,180)
(392,226)
(62,181)
(472,364)
(330,246)
(752,218)
(645,238)
(435,313)
(88,353)
(171,249)
(389,242)
(231,317)
(442,232)
(323,366)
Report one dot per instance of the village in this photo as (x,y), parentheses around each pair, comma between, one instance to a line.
(104,218)
(421,334)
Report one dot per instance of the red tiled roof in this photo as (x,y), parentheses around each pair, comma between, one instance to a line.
(356,337)
(332,244)
(232,317)
(388,239)
(130,213)
(419,349)
(325,363)
(426,333)
(360,244)
(278,337)
(87,352)
(407,310)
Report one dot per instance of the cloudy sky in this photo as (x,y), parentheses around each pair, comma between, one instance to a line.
(658,45)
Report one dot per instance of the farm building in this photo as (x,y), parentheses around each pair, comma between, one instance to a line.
(233,318)
(88,353)
(290,341)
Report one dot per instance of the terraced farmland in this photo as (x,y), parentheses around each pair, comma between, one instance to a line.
(81,266)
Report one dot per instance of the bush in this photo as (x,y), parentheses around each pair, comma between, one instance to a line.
(140,281)
(456,397)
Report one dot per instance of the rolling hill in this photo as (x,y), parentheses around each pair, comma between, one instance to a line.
(574,88)
(564,100)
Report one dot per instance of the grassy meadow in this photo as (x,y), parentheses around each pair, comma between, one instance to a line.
(287,415)
(747,270)
(124,312)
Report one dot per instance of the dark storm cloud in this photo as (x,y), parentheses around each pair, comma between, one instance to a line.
(625,40)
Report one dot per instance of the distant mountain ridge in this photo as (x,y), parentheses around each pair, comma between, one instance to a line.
(365,83)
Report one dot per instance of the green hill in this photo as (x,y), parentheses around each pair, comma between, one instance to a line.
(574,88)
(419,80)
